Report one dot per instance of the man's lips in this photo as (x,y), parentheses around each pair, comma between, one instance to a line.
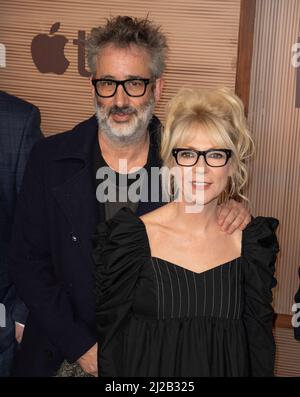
(121,117)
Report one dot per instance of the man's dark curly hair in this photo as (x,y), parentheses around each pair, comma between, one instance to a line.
(125,31)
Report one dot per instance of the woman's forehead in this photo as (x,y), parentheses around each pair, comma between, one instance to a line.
(199,136)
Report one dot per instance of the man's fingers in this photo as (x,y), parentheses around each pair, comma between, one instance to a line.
(93,372)
(90,370)
(245,223)
(232,216)
(236,224)
(19,329)
(228,221)
(224,212)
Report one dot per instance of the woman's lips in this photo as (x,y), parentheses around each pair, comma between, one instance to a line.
(201,185)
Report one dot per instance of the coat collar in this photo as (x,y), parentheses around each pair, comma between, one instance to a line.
(79,141)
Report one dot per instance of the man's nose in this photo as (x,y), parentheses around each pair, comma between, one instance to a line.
(121,98)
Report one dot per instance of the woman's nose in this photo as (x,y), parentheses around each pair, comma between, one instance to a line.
(201,162)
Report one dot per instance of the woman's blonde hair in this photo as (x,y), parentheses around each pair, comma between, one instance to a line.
(220,113)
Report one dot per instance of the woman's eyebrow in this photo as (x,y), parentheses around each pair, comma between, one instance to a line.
(193,147)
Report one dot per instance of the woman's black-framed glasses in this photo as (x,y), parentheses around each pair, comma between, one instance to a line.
(212,157)
(106,88)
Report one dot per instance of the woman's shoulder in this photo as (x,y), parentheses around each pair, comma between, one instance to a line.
(158,225)
(123,236)
(155,217)
(261,230)
(124,228)
(260,244)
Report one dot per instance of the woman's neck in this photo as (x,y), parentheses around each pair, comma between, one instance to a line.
(200,221)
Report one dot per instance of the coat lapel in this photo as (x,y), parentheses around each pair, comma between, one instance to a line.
(76,198)
(77,195)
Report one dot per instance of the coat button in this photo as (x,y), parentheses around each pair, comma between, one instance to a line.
(74,238)
(49,354)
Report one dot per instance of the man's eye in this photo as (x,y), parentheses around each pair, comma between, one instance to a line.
(135,83)
(105,83)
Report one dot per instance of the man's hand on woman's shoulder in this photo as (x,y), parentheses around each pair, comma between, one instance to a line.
(233,215)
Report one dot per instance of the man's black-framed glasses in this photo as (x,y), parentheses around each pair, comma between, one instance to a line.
(212,157)
(106,88)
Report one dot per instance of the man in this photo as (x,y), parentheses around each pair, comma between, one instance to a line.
(58,211)
(19,130)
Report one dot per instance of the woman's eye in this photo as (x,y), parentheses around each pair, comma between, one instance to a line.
(216,155)
(188,154)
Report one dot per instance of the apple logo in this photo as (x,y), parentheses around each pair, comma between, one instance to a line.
(48,52)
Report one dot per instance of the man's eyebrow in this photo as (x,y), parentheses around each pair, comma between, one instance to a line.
(134,76)
(107,76)
(130,76)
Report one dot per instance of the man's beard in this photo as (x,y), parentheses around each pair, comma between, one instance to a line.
(128,132)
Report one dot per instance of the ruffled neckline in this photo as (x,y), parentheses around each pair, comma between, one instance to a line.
(260,231)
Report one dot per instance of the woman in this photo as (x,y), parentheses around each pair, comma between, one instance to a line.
(175,295)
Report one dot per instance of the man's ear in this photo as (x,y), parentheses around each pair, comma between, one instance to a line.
(91,86)
(159,84)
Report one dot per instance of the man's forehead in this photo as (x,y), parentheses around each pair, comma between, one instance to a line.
(130,61)
(130,48)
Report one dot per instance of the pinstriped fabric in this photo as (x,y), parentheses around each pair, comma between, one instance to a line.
(229,290)
(179,314)
(172,294)
(155,272)
(188,293)
(162,289)
(196,295)
(213,293)
(204,280)
(236,288)
(240,292)
(221,304)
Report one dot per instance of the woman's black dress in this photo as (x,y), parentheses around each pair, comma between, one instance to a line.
(155,318)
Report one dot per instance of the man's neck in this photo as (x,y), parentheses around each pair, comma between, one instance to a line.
(135,154)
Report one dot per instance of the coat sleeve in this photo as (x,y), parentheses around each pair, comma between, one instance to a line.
(31,134)
(32,269)
(260,249)
(120,250)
